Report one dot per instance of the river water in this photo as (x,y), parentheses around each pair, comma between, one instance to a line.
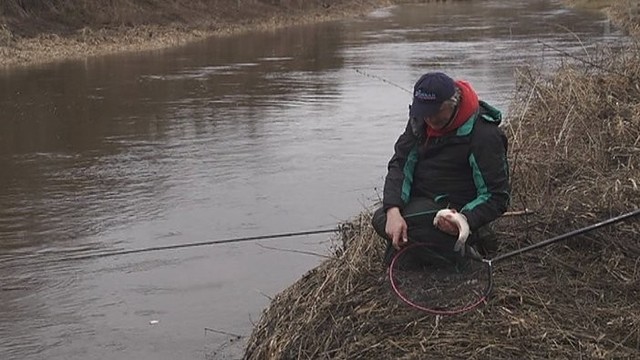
(262,133)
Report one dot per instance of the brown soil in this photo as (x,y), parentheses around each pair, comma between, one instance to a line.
(52,30)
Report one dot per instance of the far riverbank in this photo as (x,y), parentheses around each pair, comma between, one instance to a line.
(28,42)
(35,41)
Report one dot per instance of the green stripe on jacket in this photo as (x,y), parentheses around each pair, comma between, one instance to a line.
(408,170)
(483,194)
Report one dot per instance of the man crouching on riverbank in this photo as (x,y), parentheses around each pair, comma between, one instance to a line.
(453,155)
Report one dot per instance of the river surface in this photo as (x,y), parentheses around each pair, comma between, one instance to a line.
(262,133)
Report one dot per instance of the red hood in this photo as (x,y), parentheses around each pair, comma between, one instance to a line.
(467,107)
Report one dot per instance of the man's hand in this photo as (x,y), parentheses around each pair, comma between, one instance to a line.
(454,223)
(447,225)
(396,228)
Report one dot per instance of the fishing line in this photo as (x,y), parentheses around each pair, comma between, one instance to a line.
(203,243)
(587,62)
(362,72)
(458,285)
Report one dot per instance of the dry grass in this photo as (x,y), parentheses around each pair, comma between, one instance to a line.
(624,13)
(574,301)
(52,30)
(575,156)
(576,137)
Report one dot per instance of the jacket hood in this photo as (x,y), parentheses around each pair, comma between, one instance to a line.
(466,108)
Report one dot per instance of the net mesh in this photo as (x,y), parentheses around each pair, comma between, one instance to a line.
(433,282)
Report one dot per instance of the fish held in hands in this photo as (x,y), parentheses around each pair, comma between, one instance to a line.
(460,221)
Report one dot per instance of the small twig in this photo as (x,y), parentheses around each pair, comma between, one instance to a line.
(568,266)
(265,295)
(376,345)
(222,332)
(584,48)
(518,212)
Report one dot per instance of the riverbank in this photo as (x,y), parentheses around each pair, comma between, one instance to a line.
(574,162)
(34,36)
(623,13)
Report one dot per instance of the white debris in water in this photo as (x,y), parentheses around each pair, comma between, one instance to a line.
(154,322)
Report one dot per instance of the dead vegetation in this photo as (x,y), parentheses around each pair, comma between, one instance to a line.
(575,160)
(28,18)
(626,14)
(33,32)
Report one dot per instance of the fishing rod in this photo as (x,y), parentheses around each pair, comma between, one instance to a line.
(226,241)
(568,235)
(203,243)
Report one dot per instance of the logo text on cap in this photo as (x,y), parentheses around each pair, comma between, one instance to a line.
(420,94)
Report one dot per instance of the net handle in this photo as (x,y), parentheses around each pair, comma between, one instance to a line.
(568,235)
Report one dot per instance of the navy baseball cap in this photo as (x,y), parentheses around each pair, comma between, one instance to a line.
(429,92)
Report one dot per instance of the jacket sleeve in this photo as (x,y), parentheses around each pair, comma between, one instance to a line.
(488,160)
(397,178)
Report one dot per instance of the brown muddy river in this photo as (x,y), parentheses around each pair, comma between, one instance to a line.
(257,134)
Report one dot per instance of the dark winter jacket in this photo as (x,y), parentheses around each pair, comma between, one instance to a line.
(466,170)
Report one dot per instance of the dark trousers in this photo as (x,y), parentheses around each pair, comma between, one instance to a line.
(419,214)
